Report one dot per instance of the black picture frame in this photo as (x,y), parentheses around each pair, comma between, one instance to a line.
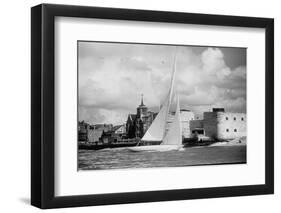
(43,105)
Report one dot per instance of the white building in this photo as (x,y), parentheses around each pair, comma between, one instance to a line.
(186,116)
(221,125)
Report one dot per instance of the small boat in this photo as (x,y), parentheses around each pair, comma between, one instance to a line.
(170,138)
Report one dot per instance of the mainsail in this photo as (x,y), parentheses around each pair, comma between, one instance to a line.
(174,134)
(170,138)
(156,131)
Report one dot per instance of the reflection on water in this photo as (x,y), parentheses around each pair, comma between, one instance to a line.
(122,158)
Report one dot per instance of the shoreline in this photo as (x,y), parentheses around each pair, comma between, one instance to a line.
(226,144)
(235,142)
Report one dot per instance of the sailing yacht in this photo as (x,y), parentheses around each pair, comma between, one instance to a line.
(169,138)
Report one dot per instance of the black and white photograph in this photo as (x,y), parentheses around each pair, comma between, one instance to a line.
(135,105)
(160,105)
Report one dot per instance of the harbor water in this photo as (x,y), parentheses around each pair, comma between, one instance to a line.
(121,158)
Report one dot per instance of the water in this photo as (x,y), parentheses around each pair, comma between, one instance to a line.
(120,158)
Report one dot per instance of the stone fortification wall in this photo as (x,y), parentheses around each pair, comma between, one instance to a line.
(225,125)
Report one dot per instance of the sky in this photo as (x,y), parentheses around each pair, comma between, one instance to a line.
(112,77)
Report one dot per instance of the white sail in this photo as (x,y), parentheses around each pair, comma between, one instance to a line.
(172,139)
(174,134)
(156,131)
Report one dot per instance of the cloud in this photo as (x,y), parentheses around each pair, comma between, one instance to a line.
(102,116)
(213,63)
(112,78)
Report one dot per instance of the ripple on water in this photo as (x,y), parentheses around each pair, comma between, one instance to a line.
(122,158)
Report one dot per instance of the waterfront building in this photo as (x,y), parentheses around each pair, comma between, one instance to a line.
(94,135)
(91,133)
(215,125)
(131,126)
(137,124)
(186,116)
(220,125)
(116,134)
(82,131)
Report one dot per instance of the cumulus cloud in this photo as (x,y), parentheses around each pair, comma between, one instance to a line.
(113,76)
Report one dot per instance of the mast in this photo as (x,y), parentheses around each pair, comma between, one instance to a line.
(173,78)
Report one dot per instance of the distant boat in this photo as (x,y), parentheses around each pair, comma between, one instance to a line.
(169,139)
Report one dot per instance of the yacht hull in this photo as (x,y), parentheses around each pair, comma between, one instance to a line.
(155,148)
